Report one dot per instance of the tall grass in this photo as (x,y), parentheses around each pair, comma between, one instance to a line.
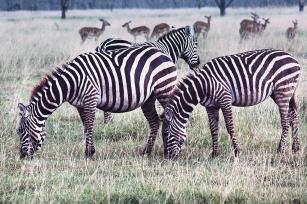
(31,46)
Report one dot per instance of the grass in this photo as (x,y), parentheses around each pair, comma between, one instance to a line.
(31,46)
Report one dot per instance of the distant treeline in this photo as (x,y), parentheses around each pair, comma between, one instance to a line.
(11,5)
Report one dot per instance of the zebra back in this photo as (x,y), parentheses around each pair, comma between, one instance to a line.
(113,44)
(176,43)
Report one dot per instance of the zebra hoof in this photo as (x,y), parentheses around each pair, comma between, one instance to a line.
(147,151)
(214,154)
(89,152)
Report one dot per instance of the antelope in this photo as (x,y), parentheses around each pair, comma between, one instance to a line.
(291,31)
(159,30)
(87,32)
(256,29)
(140,30)
(202,27)
(262,26)
(248,22)
(248,26)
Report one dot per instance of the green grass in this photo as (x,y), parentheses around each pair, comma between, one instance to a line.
(118,173)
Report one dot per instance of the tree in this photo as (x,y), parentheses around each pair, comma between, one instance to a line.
(199,3)
(223,5)
(64,7)
(301,4)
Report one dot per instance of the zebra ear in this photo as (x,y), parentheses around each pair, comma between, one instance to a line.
(188,31)
(168,114)
(22,109)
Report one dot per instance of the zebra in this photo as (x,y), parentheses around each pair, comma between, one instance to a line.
(113,44)
(243,79)
(170,43)
(118,82)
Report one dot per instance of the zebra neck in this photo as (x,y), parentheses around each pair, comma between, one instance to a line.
(183,103)
(169,49)
(48,96)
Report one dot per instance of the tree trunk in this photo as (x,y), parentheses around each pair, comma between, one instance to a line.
(64,7)
(63,16)
(222,11)
(199,4)
(301,5)
(223,5)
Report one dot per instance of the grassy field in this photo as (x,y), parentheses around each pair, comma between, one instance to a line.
(34,43)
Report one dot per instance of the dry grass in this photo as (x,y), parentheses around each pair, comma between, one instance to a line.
(31,46)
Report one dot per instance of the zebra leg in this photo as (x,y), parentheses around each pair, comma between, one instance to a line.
(107,118)
(89,110)
(282,102)
(293,119)
(153,119)
(227,112)
(285,128)
(213,116)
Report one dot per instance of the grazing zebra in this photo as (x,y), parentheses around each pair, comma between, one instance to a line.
(173,44)
(243,79)
(118,82)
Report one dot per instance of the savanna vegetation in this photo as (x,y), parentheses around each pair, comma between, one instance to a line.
(34,43)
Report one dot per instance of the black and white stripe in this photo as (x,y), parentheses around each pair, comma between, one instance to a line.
(174,44)
(120,81)
(243,79)
(113,44)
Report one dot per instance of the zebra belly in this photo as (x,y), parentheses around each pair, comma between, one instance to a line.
(126,105)
(252,99)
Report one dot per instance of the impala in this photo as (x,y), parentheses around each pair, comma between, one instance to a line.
(291,31)
(160,30)
(202,27)
(87,32)
(140,30)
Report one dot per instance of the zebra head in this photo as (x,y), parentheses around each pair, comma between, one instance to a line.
(31,134)
(189,53)
(173,133)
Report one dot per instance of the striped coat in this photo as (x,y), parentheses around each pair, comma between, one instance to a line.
(174,44)
(118,82)
(243,79)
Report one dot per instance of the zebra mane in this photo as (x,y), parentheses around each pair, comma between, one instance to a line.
(40,85)
(170,33)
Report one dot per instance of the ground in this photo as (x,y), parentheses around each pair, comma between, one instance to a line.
(35,43)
